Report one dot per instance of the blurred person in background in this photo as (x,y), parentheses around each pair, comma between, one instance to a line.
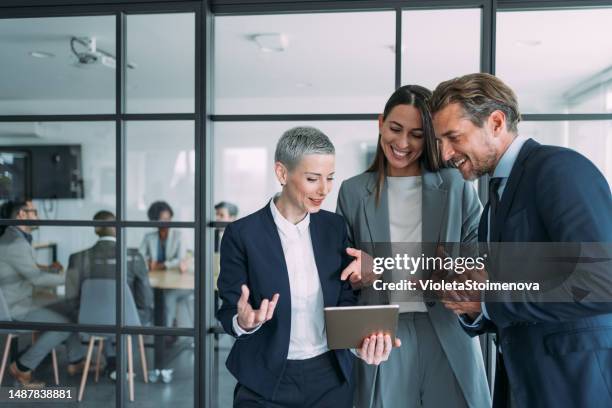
(19,275)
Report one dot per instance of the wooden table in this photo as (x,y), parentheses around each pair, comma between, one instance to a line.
(171,279)
(160,281)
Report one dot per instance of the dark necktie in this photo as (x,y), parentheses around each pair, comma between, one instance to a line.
(493,202)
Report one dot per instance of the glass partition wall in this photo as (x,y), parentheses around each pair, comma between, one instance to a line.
(99,119)
(157,112)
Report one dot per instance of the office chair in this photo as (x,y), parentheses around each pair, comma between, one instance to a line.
(98,307)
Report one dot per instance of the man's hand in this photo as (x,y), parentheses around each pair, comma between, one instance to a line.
(472,309)
(466,302)
(55,267)
(353,272)
(156,266)
(248,319)
(184,265)
(376,348)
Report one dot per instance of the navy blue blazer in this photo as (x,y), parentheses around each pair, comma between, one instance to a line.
(251,254)
(555,354)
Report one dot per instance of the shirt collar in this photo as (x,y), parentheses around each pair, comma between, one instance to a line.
(504,167)
(27,236)
(285,225)
(108,238)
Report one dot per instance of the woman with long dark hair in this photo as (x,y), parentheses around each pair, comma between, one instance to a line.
(406,200)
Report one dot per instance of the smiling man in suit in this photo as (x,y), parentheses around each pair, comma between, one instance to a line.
(554,353)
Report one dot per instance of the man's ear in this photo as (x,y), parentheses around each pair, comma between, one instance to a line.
(497,122)
(281,173)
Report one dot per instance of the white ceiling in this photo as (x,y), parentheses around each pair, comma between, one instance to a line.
(345,53)
(574,45)
(26,77)
(160,45)
(335,61)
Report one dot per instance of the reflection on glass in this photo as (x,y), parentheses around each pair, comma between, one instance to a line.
(303,63)
(160,75)
(160,275)
(242,170)
(452,36)
(169,371)
(57,65)
(160,166)
(68,168)
(553,69)
(593,139)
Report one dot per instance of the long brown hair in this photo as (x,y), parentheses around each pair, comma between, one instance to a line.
(417,96)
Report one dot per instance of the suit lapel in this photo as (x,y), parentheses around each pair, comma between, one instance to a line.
(509,192)
(377,221)
(279,282)
(377,216)
(318,239)
(172,244)
(433,206)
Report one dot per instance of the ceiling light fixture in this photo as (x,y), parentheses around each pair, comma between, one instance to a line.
(271,42)
(41,54)
(529,43)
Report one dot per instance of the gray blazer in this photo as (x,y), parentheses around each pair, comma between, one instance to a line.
(148,248)
(19,273)
(451,212)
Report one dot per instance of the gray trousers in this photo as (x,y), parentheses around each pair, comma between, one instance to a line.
(47,341)
(172,299)
(417,374)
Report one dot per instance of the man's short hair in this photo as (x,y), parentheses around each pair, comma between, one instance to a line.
(300,141)
(232,209)
(105,216)
(479,95)
(11,208)
(158,207)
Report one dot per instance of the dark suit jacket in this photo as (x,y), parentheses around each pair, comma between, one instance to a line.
(555,353)
(251,254)
(98,262)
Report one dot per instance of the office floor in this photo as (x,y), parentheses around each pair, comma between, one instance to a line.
(178,394)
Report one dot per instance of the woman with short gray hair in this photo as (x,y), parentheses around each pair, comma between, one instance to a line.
(280,266)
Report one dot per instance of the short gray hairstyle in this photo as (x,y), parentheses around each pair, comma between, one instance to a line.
(299,141)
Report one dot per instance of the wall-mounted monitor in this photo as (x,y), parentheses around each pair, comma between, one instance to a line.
(15,180)
(41,172)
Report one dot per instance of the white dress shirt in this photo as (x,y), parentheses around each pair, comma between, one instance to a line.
(307,337)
